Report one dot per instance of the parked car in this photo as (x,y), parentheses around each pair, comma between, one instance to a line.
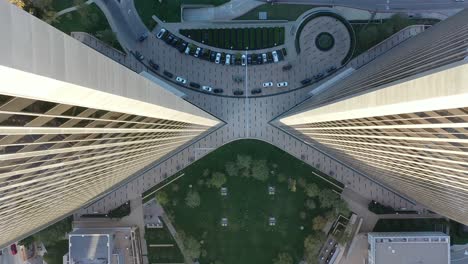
(181,80)
(306,81)
(228,59)
(207,88)
(256,91)
(187,50)
(280,55)
(197,52)
(161,33)
(153,65)
(259,59)
(269,57)
(243,60)
(194,85)
(287,67)
(282,84)
(169,39)
(143,37)
(249,59)
(168,74)
(217,90)
(182,46)
(138,56)
(13,249)
(212,56)
(238,92)
(267,84)
(275,56)
(264,56)
(174,42)
(284,51)
(218,58)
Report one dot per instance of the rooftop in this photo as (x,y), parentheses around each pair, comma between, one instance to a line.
(89,248)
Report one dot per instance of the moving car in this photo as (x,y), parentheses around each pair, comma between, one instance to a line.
(275,56)
(161,33)
(287,67)
(207,88)
(181,80)
(153,65)
(218,58)
(228,59)
(282,84)
(243,60)
(197,52)
(256,91)
(267,84)
(143,37)
(306,81)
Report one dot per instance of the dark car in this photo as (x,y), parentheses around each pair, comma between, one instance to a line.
(169,39)
(280,55)
(284,52)
(249,59)
(318,76)
(217,90)
(212,56)
(306,81)
(269,57)
(238,92)
(168,74)
(13,249)
(259,59)
(138,55)
(237,61)
(182,46)
(331,69)
(143,37)
(287,67)
(256,91)
(194,85)
(174,42)
(153,65)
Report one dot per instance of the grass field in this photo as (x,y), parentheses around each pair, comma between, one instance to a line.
(277,12)
(154,236)
(167,10)
(248,238)
(237,38)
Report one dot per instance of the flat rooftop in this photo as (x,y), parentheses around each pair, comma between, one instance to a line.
(89,248)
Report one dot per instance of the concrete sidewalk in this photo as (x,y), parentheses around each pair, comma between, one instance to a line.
(228,11)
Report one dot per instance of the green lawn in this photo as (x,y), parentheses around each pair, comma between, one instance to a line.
(248,238)
(162,254)
(167,10)
(237,38)
(277,12)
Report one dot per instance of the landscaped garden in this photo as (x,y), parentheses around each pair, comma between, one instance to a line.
(237,38)
(324,41)
(250,202)
(167,10)
(277,12)
(161,246)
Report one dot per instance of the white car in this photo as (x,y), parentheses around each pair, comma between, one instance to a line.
(243,59)
(197,52)
(181,80)
(218,58)
(282,84)
(207,88)
(228,59)
(264,57)
(267,84)
(161,33)
(275,56)
(187,50)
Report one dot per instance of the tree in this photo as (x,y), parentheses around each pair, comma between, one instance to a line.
(311,190)
(232,169)
(319,222)
(217,180)
(327,198)
(292,185)
(341,207)
(312,244)
(18,3)
(108,36)
(283,258)
(192,247)
(54,233)
(162,198)
(301,182)
(310,204)
(244,162)
(260,170)
(281,177)
(193,199)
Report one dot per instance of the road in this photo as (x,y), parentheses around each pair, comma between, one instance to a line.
(8,258)
(385,5)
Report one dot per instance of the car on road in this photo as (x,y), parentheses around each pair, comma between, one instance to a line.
(181,80)
(287,67)
(194,85)
(318,76)
(138,56)
(153,65)
(275,56)
(282,84)
(218,90)
(243,60)
(256,91)
(168,74)
(267,84)
(13,249)
(161,33)
(228,59)
(238,92)
(207,88)
(197,52)
(264,57)
(306,81)
(143,37)
(218,58)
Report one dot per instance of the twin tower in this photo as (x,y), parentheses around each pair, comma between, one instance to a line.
(75,124)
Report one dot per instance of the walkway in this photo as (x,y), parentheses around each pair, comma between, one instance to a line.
(71,9)
(228,11)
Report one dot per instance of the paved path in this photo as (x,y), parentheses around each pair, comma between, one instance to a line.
(228,11)
(70,9)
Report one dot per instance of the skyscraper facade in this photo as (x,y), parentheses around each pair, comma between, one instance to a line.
(73,124)
(402,119)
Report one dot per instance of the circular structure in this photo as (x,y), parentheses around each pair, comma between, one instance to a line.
(324,41)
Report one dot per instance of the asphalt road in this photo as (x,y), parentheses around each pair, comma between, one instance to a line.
(385,5)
